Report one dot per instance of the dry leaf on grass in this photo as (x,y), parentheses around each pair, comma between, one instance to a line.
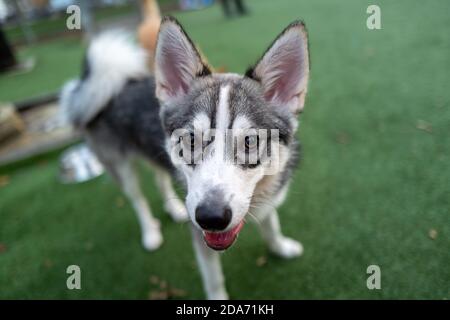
(2,247)
(261,261)
(154,280)
(120,202)
(424,126)
(158,295)
(169,293)
(343,138)
(432,234)
(4,181)
(177,293)
(48,263)
(163,285)
(164,290)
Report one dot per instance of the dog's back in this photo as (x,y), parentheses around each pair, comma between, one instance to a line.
(130,123)
(114,104)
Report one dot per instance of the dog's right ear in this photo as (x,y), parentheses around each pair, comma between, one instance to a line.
(283,70)
(177,61)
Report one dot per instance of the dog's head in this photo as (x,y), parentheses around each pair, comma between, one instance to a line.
(228,132)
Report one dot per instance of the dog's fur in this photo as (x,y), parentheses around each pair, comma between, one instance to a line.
(125,112)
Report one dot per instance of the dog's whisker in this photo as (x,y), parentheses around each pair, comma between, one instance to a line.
(254,218)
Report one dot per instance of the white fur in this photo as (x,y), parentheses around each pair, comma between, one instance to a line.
(210,267)
(202,122)
(239,187)
(151,234)
(278,243)
(241,123)
(172,203)
(207,176)
(216,171)
(177,63)
(113,60)
(223,119)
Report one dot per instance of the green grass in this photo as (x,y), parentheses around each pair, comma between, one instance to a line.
(55,62)
(371,187)
(57,24)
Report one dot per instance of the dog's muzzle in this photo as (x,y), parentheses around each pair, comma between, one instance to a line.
(214,215)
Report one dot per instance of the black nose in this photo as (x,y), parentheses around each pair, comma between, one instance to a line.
(213,217)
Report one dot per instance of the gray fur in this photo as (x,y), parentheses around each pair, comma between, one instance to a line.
(117,110)
(130,124)
(246,99)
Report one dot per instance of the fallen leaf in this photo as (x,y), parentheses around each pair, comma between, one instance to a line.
(120,202)
(432,234)
(177,293)
(158,295)
(163,285)
(343,138)
(165,291)
(221,69)
(261,261)
(48,263)
(4,181)
(424,126)
(2,247)
(154,280)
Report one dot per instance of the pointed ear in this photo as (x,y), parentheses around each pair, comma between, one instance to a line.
(177,61)
(283,71)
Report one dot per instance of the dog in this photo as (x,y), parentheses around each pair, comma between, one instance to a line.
(125,112)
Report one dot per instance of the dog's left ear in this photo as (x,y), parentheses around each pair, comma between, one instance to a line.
(177,61)
(283,71)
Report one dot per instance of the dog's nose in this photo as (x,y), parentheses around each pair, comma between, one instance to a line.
(212,217)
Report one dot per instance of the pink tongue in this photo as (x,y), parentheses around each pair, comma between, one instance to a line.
(222,240)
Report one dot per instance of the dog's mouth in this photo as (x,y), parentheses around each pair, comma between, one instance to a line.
(222,240)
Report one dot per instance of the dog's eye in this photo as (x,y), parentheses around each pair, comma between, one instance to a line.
(251,142)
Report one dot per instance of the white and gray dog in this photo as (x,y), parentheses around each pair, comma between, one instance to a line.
(181,120)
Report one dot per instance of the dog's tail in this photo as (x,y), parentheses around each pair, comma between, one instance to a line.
(111,60)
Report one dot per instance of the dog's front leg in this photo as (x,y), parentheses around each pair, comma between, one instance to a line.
(278,243)
(210,268)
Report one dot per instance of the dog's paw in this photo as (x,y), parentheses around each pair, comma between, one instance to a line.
(218,295)
(287,248)
(152,239)
(177,210)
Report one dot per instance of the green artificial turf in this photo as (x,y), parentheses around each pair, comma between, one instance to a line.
(374,181)
(57,24)
(55,62)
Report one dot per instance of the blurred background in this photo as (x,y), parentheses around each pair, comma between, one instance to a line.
(373,187)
